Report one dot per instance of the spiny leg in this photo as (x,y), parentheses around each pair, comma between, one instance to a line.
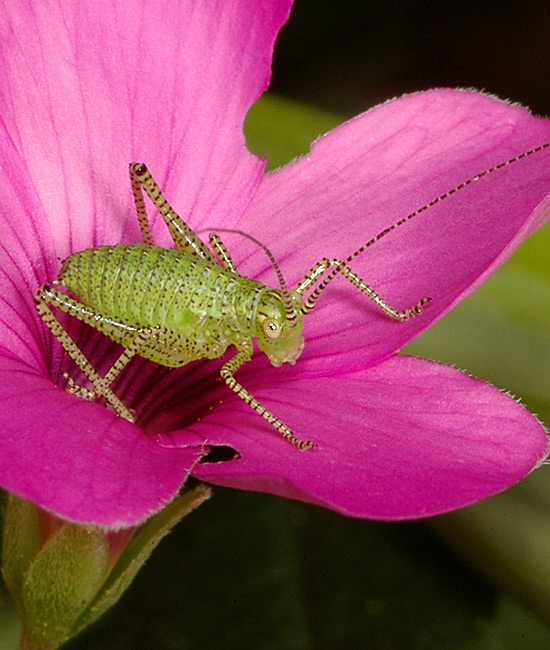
(227,371)
(221,251)
(48,296)
(341,267)
(184,238)
(81,361)
(127,355)
(103,385)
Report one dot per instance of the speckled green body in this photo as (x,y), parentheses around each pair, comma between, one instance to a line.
(201,307)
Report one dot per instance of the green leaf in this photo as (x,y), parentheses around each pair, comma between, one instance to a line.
(508,539)
(533,256)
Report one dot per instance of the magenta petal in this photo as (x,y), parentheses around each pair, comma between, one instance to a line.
(376,169)
(87,87)
(71,457)
(407,438)
(79,460)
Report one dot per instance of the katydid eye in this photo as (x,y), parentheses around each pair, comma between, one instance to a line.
(271,328)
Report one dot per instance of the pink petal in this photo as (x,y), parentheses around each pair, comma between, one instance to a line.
(78,459)
(406,438)
(87,87)
(376,169)
(23,257)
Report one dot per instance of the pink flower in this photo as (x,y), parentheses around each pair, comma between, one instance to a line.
(86,88)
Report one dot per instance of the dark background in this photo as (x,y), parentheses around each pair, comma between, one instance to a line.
(347,55)
(253,571)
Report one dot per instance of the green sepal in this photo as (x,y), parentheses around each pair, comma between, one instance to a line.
(20,543)
(138,550)
(61,581)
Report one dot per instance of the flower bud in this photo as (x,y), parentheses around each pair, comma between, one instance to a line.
(63,576)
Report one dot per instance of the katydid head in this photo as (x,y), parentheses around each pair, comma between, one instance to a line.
(279,336)
(279,315)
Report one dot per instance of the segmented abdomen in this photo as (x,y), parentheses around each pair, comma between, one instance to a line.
(205,306)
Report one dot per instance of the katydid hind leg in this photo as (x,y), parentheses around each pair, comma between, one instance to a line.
(76,354)
(185,239)
(101,385)
(141,210)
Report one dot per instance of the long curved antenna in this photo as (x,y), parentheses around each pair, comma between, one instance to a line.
(289,307)
(319,289)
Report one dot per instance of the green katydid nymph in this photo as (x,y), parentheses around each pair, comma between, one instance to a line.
(174,306)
